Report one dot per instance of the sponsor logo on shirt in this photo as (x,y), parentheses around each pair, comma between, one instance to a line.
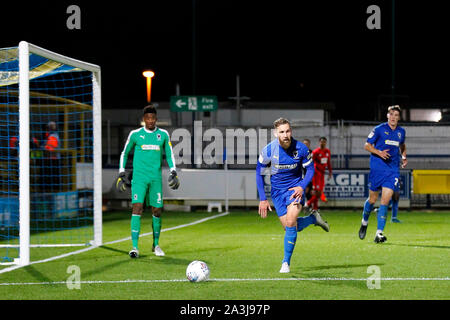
(392,143)
(150,147)
(286,166)
(371,135)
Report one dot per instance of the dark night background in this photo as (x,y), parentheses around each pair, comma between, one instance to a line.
(282,50)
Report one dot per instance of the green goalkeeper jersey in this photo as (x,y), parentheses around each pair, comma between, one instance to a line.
(149,147)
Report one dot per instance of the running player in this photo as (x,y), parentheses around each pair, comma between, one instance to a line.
(386,144)
(286,157)
(322,160)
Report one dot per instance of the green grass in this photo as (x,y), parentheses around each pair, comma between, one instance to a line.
(243,246)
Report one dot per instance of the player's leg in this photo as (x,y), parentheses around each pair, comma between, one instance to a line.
(368,207)
(313,202)
(136,215)
(323,198)
(156,201)
(314,218)
(320,187)
(308,194)
(156,226)
(303,222)
(290,236)
(395,200)
(138,191)
(311,199)
(386,195)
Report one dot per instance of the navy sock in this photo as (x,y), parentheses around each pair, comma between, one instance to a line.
(381,216)
(290,237)
(394,209)
(303,222)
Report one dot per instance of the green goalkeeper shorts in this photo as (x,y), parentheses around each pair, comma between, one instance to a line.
(148,190)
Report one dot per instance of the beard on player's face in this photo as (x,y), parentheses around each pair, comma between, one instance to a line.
(285,141)
(284,135)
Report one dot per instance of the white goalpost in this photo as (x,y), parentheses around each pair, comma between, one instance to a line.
(56,149)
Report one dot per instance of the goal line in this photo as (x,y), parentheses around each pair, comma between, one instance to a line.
(216,280)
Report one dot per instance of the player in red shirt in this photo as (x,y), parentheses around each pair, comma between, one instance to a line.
(322,160)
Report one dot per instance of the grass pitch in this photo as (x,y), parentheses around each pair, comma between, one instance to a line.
(244,253)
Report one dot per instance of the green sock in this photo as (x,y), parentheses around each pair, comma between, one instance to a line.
(135,229)
(156,225)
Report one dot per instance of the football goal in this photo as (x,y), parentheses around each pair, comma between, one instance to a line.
(50,153)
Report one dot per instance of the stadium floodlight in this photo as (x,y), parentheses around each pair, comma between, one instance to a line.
(50,152)
(148,74)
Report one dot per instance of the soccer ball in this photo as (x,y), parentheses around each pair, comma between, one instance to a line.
(197,271)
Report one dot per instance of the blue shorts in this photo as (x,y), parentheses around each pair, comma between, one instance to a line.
(384,179)
(280,199)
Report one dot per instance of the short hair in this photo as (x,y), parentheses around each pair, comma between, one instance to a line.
(395,108)
(307,140)
(323,138)
(149,109)
(51,125)
(280,121)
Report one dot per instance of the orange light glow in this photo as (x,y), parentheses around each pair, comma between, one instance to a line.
(149,75)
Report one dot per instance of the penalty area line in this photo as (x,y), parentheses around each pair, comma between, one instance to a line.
(217,280)
(113,242)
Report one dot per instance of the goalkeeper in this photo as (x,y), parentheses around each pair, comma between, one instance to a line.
(149,144)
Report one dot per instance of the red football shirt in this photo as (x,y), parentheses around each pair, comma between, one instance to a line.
(322,159)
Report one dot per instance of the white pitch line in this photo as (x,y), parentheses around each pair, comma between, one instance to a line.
(218,280)
(112,242)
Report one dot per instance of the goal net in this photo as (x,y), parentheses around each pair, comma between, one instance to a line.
(50,153)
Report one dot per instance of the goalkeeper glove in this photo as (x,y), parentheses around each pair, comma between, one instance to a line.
(174,182)
(122,182)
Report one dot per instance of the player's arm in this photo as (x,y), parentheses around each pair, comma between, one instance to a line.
(123,179)
(308,164)
(403,155)
(129,144)
(381,153)
(330,170)
(262,163)
(174,181)
(315,156)
(370,145)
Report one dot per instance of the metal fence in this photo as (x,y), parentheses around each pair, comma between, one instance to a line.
(428,145)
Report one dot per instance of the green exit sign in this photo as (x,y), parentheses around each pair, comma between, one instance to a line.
(193,103)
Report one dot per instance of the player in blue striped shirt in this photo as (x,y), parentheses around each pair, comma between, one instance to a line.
(286,157)
(386,144)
